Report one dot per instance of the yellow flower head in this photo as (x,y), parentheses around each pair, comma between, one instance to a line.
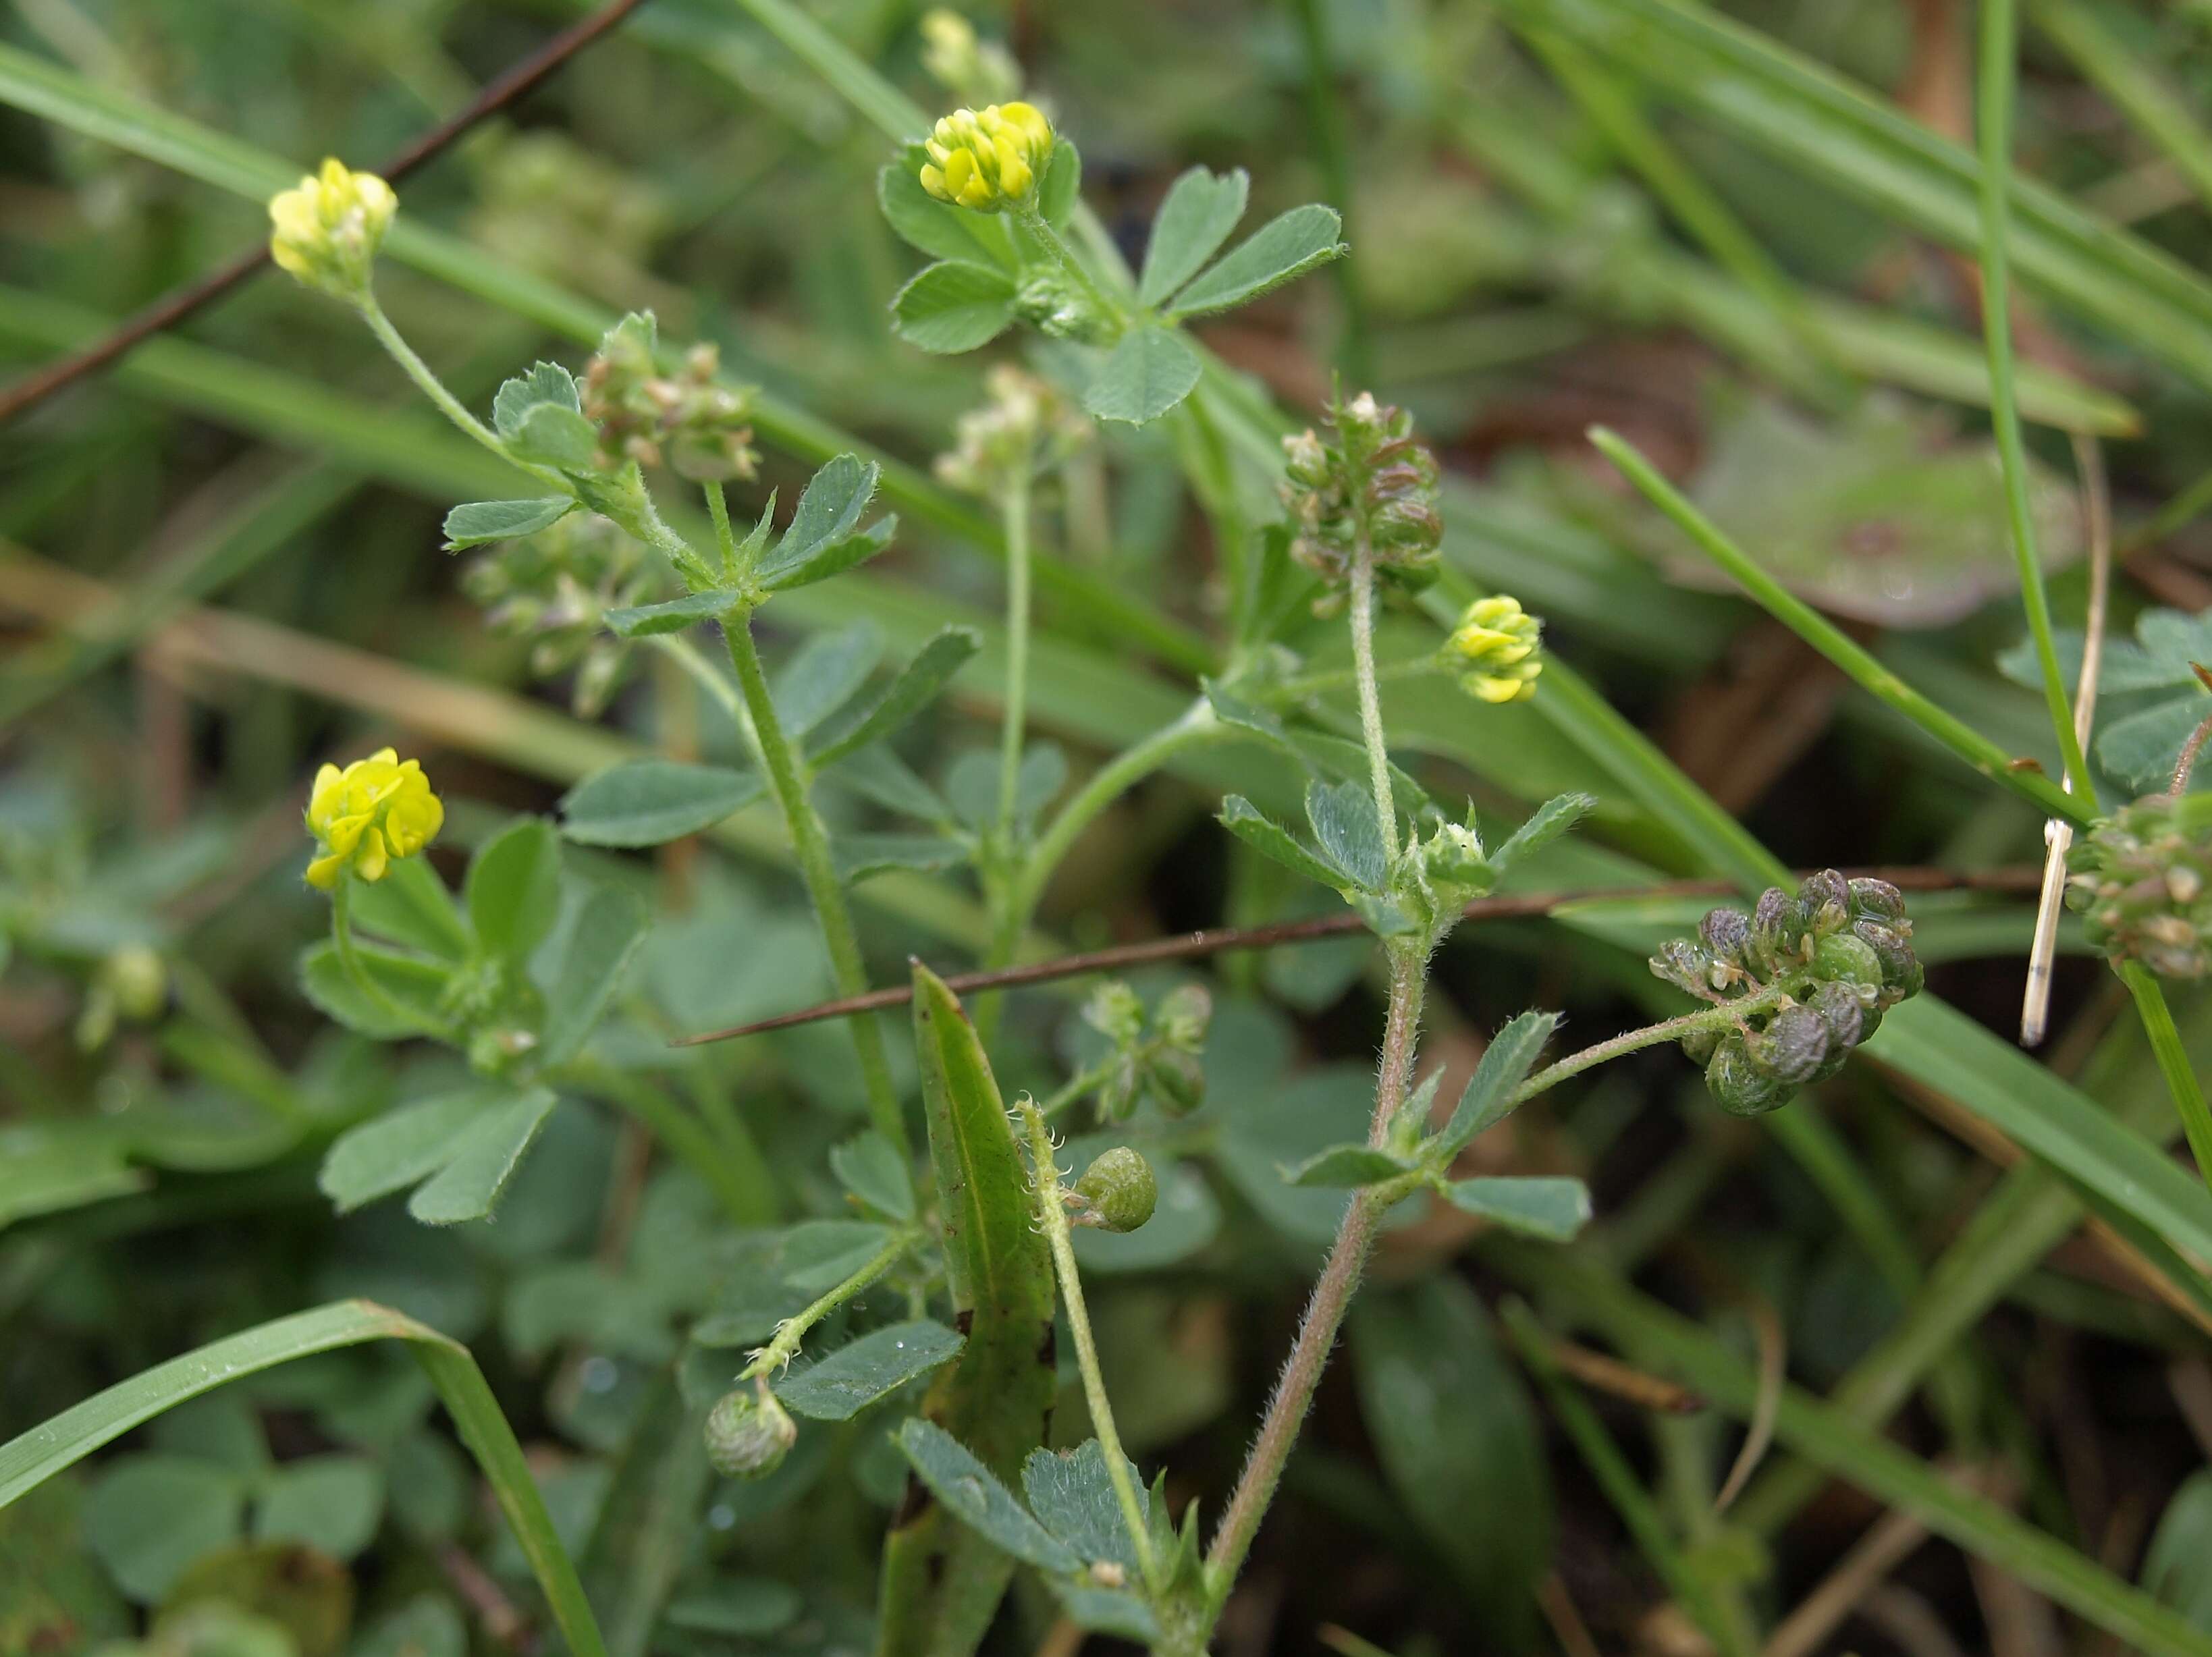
(989,158)
(1498,643)
(327,230)
(374,810)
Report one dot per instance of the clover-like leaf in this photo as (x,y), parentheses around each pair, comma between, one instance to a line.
(1151,371)
(481,521)
(953,306)
(856,1375)
(1280,251)
(2160,667)
(1200,210)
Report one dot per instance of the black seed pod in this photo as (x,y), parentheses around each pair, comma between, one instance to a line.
(1837,1006)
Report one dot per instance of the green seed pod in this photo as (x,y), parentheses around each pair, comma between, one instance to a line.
(1823,900)
(1178,1079)
(1901,972)
(748,1433)
(1844,958)
(1791,1048)
(1738,1087)
(1118,1191)
(1182,1016)
(1688,967)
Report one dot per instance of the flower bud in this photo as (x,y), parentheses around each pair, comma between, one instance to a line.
(1727,933)
(973,69)
(1117,1191)
(1497,643)
(988,158)
(1824,901)
(325,230)
(748,1433)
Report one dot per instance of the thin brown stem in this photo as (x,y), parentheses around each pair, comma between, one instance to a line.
(167,312)
(1220,940)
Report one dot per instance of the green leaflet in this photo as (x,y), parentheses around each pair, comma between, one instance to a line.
(942,1581)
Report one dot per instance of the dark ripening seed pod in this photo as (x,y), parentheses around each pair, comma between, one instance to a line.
(1773,927)
(1876,900)
(1727,933)
(1791,1048)
(1846,958)
(748,1433)
(1738,1086)
(1838,1008)
(1118,1191)
(1688,967)
(1901,972)
(1824,901)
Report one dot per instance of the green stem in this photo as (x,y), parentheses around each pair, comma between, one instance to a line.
(1054,1212)
(434,388)
(1107,784)
(1993,98)
(686,1137)
(2165,1044)
(1034,221)
(357,969)
(726,538)
(1956,734)
(1724,1018)
(792,1331)
(1331,1297)
(1370,697)
(686,655)
(810,846)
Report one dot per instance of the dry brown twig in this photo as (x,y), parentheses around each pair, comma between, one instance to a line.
(167,312)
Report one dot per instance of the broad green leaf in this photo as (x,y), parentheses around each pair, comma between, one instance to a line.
(942,1582)
(871,1169)
(1343,818)
(1061,186)
(513,890)
(1200,210)
(849,1380)
(828,669)
(50,1170)
(1151,370)
(867,719)
(644,621)
(1543,826)
(1072,1494)
(30,1460)
(1488,1099)
(861,856)
(425,1626)
(1280,251)
(973,1493)
(1457,1439)
(607,932)
(651,802)
(1242,819)
(952,306)
(481,521)
(152,1516)
(401,1147)
(828,511)
(411,906)
(330,1502)
(416,987)
(2144,747)
(1556,1210)
(557,435)
(819,1254)
(938,227)
(479,1162)
(831,558)
(546,382)
(1348,1164)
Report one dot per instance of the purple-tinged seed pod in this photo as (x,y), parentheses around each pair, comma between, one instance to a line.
(1876,900)
(1824,901)
(1837,1006)
(1791,1048)
(1727,933)
(1738,1087)
(1688,967)
(1901,972)
(1773,923)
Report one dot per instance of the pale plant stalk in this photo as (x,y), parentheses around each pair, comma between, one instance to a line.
(1014,516)
(791,1333)
(1726,1017)
(1051,1212)
(400,351)
(1370,693)
(810,846)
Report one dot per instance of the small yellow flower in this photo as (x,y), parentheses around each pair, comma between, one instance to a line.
(988,158)
(327,230)
(374,810)
(1498,643)
(971,68)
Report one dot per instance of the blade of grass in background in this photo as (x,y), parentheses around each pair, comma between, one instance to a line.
(29,1461)
(2150,102)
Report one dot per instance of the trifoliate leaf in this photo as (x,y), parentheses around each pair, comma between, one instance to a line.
(1199,211)
(1151,371)
(1277,251)
(481,521)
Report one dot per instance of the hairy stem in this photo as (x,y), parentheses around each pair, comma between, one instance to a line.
(687,1137)
(357,969)
(1331,1296)
(810,844)
(431,386)
(784,1345)
(1054,1214)
(1371,696)
(1722,1018)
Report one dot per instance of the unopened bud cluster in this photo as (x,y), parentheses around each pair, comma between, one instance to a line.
(325,230)
(1024,426)
(988,159)
(1838,953)
(1158,1053)
(683,420)
(552,588)
(1366,484)
(2142,880)
(1496,649)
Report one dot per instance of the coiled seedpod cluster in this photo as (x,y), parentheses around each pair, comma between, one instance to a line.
(1823,965)
(2142,880)
(748,1433)
(552,588)
(683,420)
(1370,482)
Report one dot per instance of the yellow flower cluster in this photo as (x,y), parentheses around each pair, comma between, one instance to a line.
(988,158)
(374,810)
(1497,643)
(326,231)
